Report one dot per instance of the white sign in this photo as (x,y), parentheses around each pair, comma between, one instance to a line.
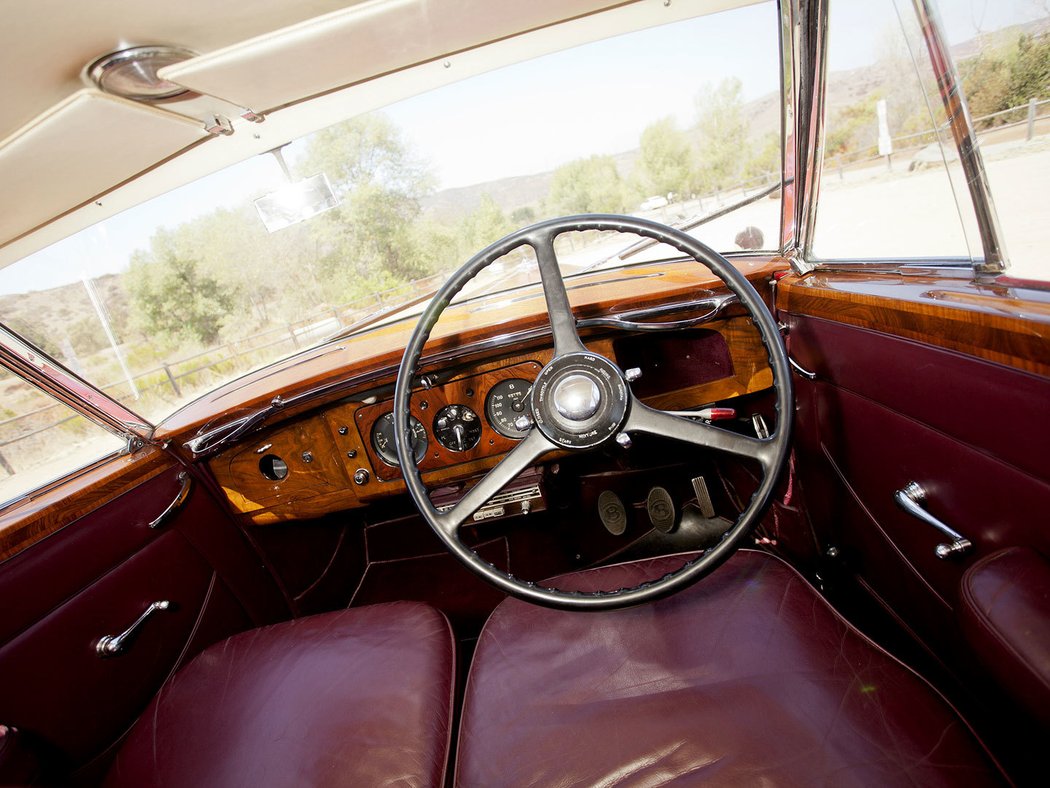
(885,143)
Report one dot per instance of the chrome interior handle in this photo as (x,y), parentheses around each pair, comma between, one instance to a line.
(175,505)
(115,645)
(912,498)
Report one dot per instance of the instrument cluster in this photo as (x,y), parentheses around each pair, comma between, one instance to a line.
(461,421)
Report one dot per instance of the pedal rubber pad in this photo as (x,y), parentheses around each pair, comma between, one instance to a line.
(612,512)
(661,510)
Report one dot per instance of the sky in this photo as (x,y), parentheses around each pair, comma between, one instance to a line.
(530,117)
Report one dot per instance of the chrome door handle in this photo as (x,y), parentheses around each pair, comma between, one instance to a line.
(115,645)
(175,505)
(911,498)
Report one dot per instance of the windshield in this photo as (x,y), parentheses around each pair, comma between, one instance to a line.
(279,252)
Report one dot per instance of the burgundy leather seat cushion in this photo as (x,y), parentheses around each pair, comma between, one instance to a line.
(748,678)
(357,697)
(1005,615)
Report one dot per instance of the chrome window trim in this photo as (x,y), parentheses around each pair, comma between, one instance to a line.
(28,362)
(804,67)
(960,124)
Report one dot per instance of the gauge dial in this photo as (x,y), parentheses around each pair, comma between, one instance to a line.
(383,438)
(508,400)
(457,428)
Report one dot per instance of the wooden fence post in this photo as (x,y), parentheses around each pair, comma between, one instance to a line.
(171,380)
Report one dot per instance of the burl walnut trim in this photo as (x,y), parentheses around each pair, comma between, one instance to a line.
(338,437)
(55,506)
(1007,325)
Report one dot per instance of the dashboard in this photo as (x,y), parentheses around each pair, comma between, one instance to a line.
(341,455)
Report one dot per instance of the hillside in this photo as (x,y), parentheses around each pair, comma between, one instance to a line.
(50,317)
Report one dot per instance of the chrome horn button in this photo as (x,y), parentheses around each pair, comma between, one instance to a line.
(576,397)
(579,400)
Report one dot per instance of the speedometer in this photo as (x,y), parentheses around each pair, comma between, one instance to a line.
(383,438)
(508,400)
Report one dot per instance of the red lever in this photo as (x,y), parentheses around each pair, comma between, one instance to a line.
(717,414)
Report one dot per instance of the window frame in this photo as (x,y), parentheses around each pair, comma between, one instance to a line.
(804,30)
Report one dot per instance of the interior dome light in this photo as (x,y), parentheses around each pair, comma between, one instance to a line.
(132,73)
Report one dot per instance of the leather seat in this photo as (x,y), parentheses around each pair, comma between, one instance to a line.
(747,678)
(356,697)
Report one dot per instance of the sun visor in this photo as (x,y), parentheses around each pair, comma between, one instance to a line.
(358,43)
(77,150)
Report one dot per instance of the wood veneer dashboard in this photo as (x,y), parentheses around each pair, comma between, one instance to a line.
(325,450)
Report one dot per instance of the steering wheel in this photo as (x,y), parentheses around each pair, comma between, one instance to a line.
(581,401)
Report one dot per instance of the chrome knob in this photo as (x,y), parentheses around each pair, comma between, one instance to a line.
(577,397)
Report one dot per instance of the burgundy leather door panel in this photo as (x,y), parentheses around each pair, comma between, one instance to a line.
(78,701)
(94,577)
(885,411)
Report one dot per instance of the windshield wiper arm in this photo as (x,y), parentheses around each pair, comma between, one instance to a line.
(690,224)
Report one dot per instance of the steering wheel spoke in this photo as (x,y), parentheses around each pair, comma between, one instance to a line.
(531,449)
(648,420)
(563,322)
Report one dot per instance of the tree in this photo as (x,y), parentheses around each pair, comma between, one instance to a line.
(591,185)
(853,126)
(1029,70)
(524,216)
(169,296)
(766,159)
(986,83)
(268,276)
(368,241)
(723,135)
(665,159)
(367,149)
(485,225)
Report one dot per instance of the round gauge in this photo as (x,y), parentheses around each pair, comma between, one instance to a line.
(508,400)
(457,428)
(383,438)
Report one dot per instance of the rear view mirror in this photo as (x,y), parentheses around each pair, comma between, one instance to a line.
(295,202)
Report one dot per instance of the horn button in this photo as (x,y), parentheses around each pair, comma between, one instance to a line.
(579,400)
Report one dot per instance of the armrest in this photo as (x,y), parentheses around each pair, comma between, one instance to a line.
(1005,617)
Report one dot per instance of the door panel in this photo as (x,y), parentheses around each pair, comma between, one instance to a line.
(941,382)
(67,693)
(94,576)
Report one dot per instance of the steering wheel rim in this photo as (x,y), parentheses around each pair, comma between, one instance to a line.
(553,430)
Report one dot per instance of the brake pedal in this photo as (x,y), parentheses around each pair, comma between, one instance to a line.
(612,513)
(661,511)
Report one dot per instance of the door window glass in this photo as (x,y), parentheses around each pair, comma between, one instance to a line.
(42,439)
(885,190)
